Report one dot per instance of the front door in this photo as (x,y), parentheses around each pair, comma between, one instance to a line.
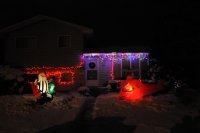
(92,72)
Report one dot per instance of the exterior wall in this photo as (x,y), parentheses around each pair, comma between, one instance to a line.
(105,68)
(104,71)
(46,33)
(135,67)
(144,68)
(78,82)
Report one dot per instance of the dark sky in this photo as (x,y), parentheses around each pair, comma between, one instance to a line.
(117,22)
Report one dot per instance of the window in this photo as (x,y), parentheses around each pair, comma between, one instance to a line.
(64,41)
(26,42)
(117,70)
(92,75)
(135,68)
(127,67)
(66,77)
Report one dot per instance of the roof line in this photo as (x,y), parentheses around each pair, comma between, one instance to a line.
(44,17)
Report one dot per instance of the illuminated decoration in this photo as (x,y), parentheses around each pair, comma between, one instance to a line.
(57,72)
(128,87)
(115,56)
(92,65)
(51,88)
(112,71)
(135,90)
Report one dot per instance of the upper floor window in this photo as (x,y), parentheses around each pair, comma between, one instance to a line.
(26,42)
(64,41)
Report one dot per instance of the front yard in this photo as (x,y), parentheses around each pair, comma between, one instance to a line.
(72,112)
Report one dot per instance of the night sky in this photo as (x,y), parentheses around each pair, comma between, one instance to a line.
(163,25)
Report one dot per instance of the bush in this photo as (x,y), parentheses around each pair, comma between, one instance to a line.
(12,80)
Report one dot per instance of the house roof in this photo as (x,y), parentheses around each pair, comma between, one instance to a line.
(123,49)
(43,17)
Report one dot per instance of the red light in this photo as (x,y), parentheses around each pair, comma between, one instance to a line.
(56,71)
(128,88)
(135,90)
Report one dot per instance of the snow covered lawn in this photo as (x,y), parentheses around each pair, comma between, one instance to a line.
(156,116)
(20,114)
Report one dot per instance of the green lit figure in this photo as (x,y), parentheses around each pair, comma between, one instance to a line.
(51,86)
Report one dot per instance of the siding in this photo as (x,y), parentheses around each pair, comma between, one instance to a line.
(104,71)
(47,48)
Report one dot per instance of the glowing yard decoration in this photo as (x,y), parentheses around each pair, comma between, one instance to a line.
(135,90)
(51,88)
(128,87)
(130,90)
(56,71)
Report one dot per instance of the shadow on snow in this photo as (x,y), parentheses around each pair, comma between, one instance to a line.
(84,122)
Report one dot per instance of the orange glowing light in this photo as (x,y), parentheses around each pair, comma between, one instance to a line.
(128,87)
(140,90)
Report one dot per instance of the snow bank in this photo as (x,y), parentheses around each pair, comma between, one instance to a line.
(9,73)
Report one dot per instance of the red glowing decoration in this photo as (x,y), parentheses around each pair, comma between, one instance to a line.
(128,87)
(135,90)
(56,71)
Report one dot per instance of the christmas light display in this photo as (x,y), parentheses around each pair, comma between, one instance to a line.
(115,56)
(56,71)
(60,71)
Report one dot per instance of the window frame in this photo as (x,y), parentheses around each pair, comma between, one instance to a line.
(29,47)
(131,67)
(67,45)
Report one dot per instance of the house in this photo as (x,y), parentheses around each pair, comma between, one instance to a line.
(43,41)
(115,63)
(47,44)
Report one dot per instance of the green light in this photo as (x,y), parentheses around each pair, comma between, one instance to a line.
(51,88)
(52,91)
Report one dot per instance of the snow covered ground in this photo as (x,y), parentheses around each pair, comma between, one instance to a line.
(156,116)
(20,114)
